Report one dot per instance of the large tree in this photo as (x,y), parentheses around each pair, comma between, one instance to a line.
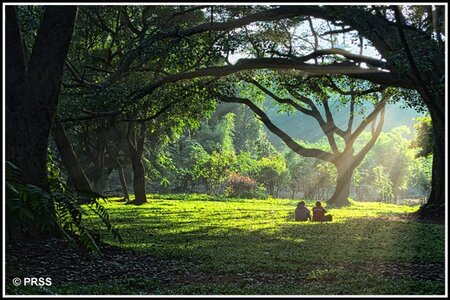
(342,157)
(33,86)
(421,69)
(412,41)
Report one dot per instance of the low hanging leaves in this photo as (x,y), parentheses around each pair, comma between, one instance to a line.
(59,210)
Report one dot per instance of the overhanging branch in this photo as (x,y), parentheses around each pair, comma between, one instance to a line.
(293,145)
(350,69)
(370,118)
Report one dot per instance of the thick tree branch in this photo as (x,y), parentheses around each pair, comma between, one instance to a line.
(152,117)
(268,15)
(316,38)
(292,103)
(80,81)
(337,31)
(380,106)
(362,153)
(141,139)
(327,127)
(336,51)
(90,116)
(352,93)
(130,25)
(351,118)
(348,55)
(349,69)
(130,138)
(49,42)
(294,146)
(330,128)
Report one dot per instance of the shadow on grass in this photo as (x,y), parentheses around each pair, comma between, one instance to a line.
(357,239)
(217,249)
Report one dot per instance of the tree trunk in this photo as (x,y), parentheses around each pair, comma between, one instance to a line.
(434,209)
(138,180)
(32,90)
(270,189)
(344,178)
(135,148)
(99,176)
(118,165)
(123,182)
(76,174)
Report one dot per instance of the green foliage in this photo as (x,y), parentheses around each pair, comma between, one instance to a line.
(28,207)
(424,138)
(216,169)
(382,183)
(420,177)
(31,210)
(271,172)
(226,131)
(394,154)
(207,156)
(246,164)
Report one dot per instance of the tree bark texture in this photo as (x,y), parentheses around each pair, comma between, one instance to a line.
(75,172)
(32,89)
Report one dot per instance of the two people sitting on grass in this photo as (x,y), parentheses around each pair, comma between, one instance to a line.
(302,213)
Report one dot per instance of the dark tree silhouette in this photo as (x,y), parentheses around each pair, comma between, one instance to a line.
(32,88)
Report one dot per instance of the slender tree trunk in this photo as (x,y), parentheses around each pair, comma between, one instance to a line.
(435,207)
(121,174)
(76,174)
(98,175)
(138,180)
(134,149)
(343,181)
(123,182)
(135,145)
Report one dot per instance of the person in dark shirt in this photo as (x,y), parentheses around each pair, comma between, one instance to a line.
(302,213)
(319,213)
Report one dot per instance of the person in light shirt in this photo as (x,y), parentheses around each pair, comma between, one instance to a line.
(302,213)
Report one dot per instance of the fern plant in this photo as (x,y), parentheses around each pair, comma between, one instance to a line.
(28,207)
(60,210)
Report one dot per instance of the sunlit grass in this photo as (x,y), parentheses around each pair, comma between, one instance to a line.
(247,230)
(233,236)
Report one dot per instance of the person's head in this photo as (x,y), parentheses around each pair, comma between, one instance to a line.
(318,204)
(301,204)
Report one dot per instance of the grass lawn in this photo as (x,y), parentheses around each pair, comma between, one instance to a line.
(191,245)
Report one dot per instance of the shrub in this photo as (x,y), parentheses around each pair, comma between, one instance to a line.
(243,187)
(58,211)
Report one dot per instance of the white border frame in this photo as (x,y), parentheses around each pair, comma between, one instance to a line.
(215,296)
